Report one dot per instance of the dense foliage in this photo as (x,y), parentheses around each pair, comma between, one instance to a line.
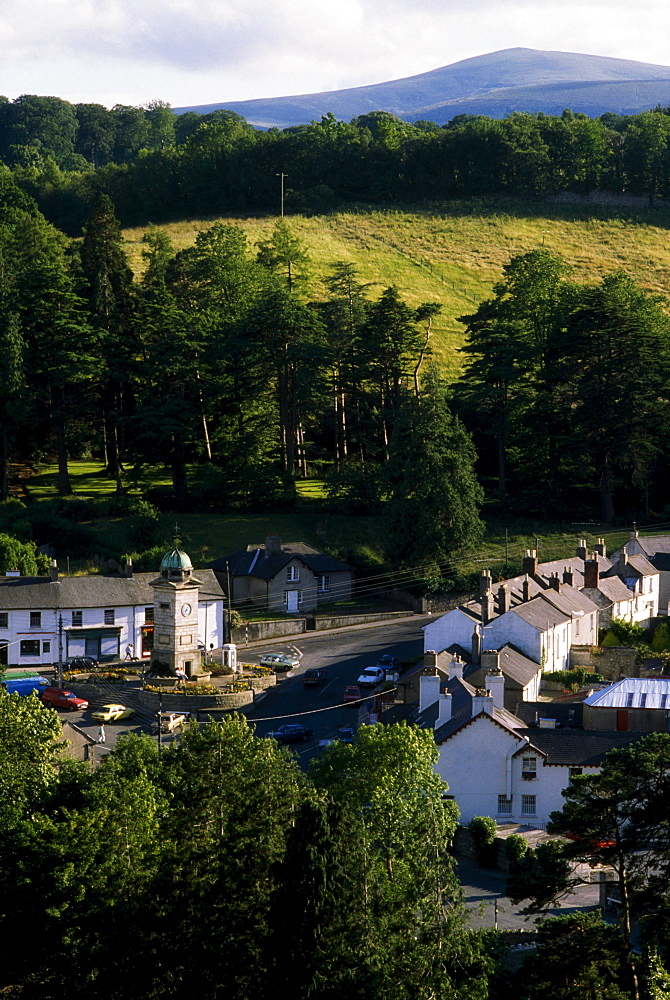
(157,165)
(215,868)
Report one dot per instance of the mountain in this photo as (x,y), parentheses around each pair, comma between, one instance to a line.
(494,85)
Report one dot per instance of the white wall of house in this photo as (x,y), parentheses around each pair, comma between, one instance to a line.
(550,648)
(454,626)
(484,769)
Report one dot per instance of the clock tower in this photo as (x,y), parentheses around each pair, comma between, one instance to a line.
(176,593)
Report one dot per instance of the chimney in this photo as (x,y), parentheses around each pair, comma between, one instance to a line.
(490,660)
(555,583)
(487,607)
(429,690)
(482,702)
(495,683)
(567,576)
(634,533)
(443,710)
(456,668)
(485,582)
(503,599)
(581,549)
(601,548)
(526,588)
(591,573)
(53,571)
(429,658)
(272,546)
(128,569)
(476,646)
(530,562)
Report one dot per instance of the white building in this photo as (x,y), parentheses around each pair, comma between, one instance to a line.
(43,618)
(497,767)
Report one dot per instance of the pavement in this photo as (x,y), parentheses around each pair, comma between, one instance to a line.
(489,907)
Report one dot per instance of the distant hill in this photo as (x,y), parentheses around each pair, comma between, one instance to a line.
(493,85)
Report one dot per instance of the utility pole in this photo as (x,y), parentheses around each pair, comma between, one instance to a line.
(60,651)
(282,176)
(230,638)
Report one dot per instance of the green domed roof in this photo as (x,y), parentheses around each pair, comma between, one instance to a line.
(176,559)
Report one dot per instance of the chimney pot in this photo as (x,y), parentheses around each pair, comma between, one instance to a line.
(581,549)
(530,562)
(485,581)
(567,576)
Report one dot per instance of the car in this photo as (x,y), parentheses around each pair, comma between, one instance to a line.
(291,733)
(388,662)
(371,677)
(280,662)
(351,693)
(112,713)
(81,663)
(169,721)
(324,744)
(62,699)
(312,678)
(346,734)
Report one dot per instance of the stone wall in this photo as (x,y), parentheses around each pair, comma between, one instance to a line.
(258,631)
(613,662)
(194,703)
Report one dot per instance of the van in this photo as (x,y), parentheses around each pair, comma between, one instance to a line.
(25,685)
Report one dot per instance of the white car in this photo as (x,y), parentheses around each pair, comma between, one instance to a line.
(371,676)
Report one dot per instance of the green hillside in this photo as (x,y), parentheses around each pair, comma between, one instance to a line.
(455,254)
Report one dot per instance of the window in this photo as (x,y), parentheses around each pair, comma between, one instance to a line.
(77,618)
(4,619)
(574,771)
(36,619)
(529,768)
(109,616)
(643,699)
(629,699)
(293,573)
(527,805)
(504,806)
(164,607)
(46,647)
(30,647)
(324,584)
(149,614)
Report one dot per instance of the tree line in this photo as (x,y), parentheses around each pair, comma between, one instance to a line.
(156,165)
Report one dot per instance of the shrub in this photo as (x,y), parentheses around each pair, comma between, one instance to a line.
(483,830)
(516,847)
(661,640)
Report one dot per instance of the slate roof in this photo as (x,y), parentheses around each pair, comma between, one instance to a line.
(614,589)
(35,592)
(519,668)
(574,748)
(570,601)
(462,694)
(639,564)
(540,614)
(656,692)
(252,561)
(568,714)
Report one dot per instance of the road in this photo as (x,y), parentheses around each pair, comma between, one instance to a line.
(344,655)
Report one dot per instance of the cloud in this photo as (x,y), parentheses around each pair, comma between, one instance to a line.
(199,51)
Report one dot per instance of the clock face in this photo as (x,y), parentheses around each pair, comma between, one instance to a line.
(186,610)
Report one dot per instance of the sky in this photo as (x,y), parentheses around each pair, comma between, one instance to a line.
(190,52)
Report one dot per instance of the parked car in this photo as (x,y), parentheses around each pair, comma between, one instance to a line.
(351,693)
(280,662)
(324,744)
(312,678)
(346,734)
(112,713)
(82,663)
(388,662)
(62,699)
(291,733)
(25,684)
(371,676)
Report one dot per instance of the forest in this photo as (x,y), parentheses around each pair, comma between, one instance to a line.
(156,165)
(219,365)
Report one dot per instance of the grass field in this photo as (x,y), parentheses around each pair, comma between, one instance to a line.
(455,254)
(210,535)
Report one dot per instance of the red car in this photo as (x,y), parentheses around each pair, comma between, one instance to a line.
(63,699)
(352,693)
